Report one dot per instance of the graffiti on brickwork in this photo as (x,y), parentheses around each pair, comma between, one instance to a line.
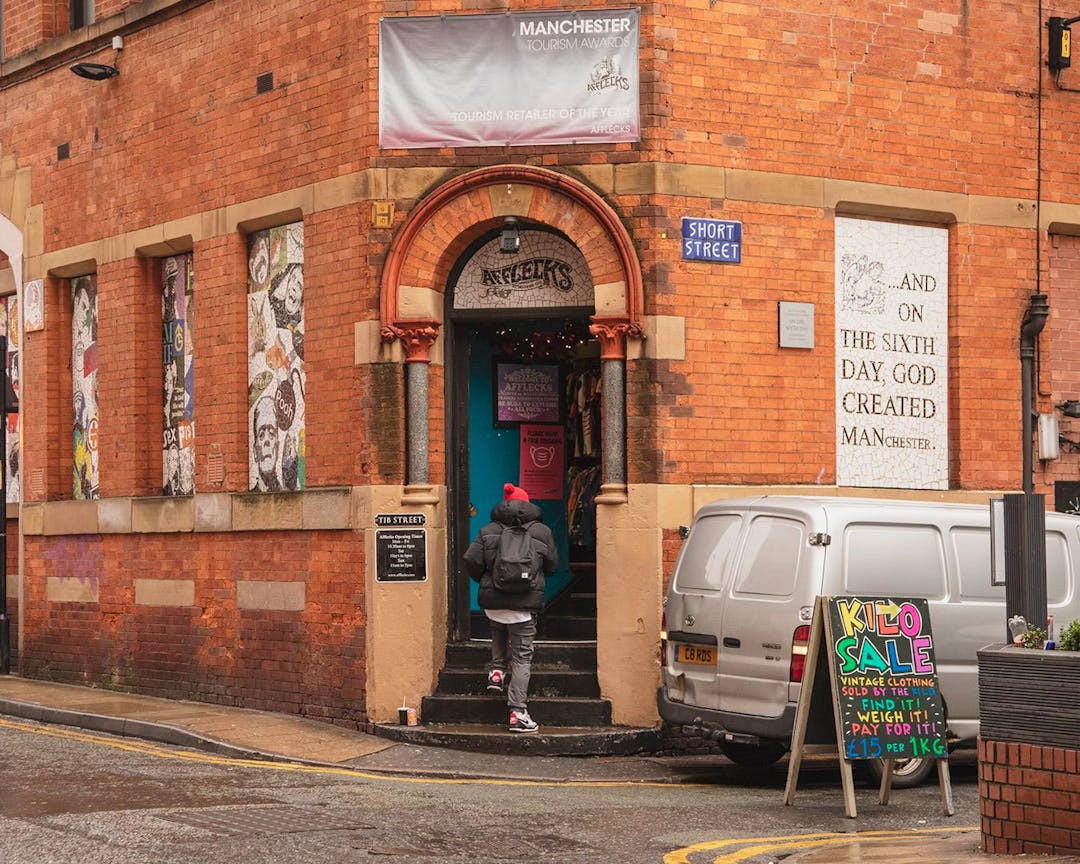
(276,376)
(74,557)
(84,368)
(178,330)
(9,311)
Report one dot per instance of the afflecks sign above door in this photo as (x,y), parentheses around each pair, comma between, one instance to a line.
(561,77)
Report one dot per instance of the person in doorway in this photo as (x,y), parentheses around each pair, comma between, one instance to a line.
(512,614)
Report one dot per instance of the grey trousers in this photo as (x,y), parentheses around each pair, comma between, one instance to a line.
(516,642)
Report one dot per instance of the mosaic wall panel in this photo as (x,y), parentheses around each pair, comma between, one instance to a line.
(547,270)
(84,369)
(178,330)
(9,311)
(892,355)
(276,378)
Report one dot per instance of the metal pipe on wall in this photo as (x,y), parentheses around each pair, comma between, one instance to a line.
(1034,321)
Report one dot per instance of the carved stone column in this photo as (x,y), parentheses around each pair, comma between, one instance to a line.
(612,333)
(416,337)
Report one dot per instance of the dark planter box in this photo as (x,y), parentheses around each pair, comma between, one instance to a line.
(1029,696)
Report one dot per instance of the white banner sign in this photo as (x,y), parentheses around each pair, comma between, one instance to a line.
(518,78)
(892,359)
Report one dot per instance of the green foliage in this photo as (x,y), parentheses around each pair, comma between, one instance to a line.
(1034,638)
(1070,637)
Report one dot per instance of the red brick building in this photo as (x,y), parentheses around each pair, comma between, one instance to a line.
(263,323)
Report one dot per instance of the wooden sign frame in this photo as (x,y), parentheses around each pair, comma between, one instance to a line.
(816,665)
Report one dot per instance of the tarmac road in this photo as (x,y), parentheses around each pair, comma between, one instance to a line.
(72,796)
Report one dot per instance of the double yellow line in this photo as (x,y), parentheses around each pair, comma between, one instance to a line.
(739,849)
(748,847)
(146,748)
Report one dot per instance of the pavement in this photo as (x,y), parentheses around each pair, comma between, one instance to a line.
(261,735)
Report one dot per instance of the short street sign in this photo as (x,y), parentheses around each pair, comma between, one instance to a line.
(711,240)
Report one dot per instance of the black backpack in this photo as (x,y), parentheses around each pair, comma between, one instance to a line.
(517,565)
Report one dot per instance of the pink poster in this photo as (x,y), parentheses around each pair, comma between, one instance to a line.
(542,455)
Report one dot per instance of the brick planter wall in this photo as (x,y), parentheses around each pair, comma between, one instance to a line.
(1029,751)
(1029,798)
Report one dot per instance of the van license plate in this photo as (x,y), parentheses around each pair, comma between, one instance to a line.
(704,655)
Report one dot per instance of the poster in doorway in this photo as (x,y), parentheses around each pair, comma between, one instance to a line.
(542,459)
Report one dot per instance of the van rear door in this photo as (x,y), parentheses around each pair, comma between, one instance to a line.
(777,573)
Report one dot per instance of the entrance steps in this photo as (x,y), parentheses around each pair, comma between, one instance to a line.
(564,698)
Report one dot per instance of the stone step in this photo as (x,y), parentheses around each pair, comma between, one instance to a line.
(544,681)
(548,741)
(551,654)
(546,710)
(558,627)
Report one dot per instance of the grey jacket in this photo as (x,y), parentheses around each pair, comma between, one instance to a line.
(480,556)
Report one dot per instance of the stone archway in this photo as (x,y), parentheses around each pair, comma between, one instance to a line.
(438,231)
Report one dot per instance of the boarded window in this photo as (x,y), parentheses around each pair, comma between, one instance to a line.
(84,386)
(12,481)
(177,356)
(276,378)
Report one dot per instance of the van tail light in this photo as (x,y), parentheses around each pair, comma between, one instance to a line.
(799,642)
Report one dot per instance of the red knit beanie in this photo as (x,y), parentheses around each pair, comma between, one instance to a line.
(514,493)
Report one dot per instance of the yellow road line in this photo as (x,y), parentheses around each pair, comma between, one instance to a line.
(751,846)
(161,752)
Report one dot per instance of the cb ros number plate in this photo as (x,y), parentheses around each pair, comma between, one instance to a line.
(703,655)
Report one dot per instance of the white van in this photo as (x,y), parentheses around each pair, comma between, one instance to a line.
(737,614)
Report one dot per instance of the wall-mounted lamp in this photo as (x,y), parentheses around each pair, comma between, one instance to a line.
(101,71)
(509,240)
(1059,51)
(1070,408)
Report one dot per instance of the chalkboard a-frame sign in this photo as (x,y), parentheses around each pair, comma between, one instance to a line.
(872,660)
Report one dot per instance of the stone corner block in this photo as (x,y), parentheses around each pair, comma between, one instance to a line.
(114,515)
(327,509)
(213,511)
(162,515)
(267,511)
(266,596)
(70,517)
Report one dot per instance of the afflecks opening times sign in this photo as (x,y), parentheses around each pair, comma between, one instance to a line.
(515,78)
(886,678)
(400,547)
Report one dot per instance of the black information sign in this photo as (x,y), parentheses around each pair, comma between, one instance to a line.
(885,678)
(401,551)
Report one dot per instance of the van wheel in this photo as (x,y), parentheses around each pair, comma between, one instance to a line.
(754,755)
(907,773)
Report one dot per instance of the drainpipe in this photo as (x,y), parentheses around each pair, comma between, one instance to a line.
(1034,321)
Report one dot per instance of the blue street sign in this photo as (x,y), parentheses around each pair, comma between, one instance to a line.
(711,240)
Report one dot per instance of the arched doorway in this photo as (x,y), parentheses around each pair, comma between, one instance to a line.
(427,256)
(523,406)
(421,288)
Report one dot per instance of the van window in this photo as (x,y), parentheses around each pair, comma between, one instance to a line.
(770,557)
(973,560)
(972,547)
(704,559)
(1057,569)
(908,560)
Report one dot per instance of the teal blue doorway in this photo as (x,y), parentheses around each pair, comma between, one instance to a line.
(487,441)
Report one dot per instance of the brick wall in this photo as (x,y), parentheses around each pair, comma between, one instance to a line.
(310,662)
(911,97)
(1029,799)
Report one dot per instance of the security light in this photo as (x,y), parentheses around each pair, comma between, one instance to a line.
(509,241)
(95,71)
